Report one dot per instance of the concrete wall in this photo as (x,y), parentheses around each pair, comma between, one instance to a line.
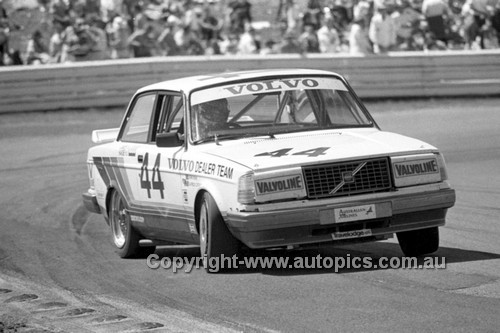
(111,83)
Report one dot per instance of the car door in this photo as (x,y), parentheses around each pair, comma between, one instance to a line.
(134,135)
(158,182)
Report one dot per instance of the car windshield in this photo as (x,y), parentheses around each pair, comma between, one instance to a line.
(272,107)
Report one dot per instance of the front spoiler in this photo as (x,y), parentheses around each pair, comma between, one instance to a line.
(90,202)
(308,225)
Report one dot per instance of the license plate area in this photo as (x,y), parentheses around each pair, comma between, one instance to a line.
(354,213)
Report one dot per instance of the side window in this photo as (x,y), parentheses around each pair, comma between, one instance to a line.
(139,119)
(171,114)
(177,115)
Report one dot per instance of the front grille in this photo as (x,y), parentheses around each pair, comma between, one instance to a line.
(347,178)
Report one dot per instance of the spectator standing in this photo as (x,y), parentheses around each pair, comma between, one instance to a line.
(313,14)
(92,8)
(37,53)
(407,20)
(139,19)
(210,26)
(495,21)
(60,10)
(341,15)
(436,12)
(382,31)
(309,40)
(479,13)
(359,42)
(193,18)
(118,34)
(328,37)
(4,34)
(100,49)
(288,15)
(109,8)
(248,43)
(166,41)
(3,11)
(239,15)
(188,41)
(229,44)
(143,42)
(56,43)
(290,44)
(362,10)
(80,41)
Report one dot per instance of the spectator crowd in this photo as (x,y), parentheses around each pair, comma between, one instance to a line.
(82,30)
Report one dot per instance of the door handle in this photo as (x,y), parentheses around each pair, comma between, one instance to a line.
(140,158)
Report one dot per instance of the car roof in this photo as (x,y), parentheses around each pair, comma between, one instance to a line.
(190,83)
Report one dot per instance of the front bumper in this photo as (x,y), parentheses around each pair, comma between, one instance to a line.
(90,202)
(396,212)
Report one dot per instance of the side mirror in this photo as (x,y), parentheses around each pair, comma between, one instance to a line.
(169,140)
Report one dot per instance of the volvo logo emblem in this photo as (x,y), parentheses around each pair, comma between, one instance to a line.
(348,177)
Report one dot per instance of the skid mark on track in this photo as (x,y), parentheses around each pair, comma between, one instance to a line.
(79,219)
(21,298)
(46,309)
(52,306)
(145,326)
(108,319)
(489,290)
(76,312)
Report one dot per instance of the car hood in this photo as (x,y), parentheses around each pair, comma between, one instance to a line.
(316,147)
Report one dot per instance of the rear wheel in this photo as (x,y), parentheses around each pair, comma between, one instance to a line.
(125,237)
(419,242)
(216,240)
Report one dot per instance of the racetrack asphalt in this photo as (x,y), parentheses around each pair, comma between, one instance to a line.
(59,272)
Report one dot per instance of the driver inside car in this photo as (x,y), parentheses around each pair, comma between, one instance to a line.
(210,117)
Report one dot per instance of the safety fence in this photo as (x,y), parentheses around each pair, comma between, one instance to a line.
(111,83)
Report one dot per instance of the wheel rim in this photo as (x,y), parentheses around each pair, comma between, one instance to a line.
(203,229)
(119,225)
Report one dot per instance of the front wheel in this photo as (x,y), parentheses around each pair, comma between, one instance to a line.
(419,242)
(125,237)
(216,241)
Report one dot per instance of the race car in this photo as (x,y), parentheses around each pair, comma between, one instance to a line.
(262,159)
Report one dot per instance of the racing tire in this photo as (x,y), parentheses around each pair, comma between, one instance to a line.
(215,238)
(125,237)
(419,242)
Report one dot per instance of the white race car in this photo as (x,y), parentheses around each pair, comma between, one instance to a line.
(262,159)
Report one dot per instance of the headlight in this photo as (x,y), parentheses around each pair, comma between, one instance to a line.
(418,169)
(246,189)
(442,166)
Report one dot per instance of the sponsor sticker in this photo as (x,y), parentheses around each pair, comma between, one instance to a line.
(352,234)
(136,218)
(355,213)
(279,184)
(416,168)
(205,168)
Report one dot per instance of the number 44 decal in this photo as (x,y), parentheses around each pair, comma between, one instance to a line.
(314,152)
(156,182)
